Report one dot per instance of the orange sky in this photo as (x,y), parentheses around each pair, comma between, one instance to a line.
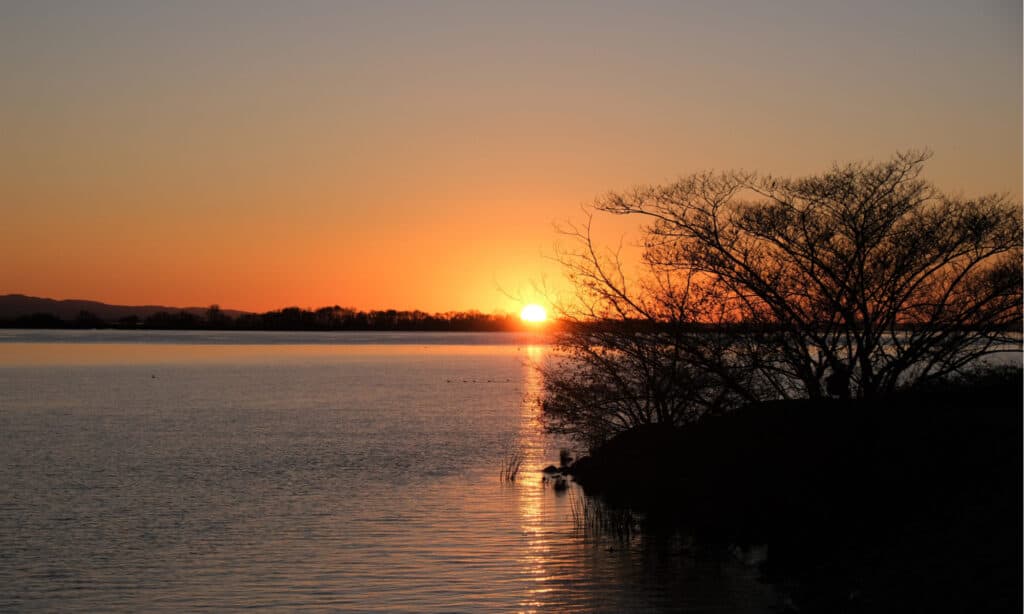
(399,155)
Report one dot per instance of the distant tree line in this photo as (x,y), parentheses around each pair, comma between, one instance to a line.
(291,318)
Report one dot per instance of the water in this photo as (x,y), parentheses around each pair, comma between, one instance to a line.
(360,472)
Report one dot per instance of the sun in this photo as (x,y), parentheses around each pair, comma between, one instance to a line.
(533,313)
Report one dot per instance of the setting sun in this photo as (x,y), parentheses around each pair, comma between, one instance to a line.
(533,313)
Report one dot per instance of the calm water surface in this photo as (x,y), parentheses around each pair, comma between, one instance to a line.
(284,471)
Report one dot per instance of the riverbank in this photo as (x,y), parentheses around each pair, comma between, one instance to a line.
(909,503)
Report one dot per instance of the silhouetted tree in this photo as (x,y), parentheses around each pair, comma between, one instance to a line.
(36,320)
(131,321)
(215,318)
(87,319)
(182,320)
(861,279)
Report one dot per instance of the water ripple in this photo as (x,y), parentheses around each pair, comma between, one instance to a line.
(332,483)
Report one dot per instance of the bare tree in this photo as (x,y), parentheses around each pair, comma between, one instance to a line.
(641,354)
(852,282)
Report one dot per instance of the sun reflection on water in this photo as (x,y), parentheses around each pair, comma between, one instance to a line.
(537,564)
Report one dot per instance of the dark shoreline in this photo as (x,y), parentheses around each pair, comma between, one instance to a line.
(367,322)
(908,503)
(20,311)
(274,338)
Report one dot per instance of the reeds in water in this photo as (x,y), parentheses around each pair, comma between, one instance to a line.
(595,518)
(512,463)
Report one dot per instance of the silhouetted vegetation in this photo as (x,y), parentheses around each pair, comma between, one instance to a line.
(595,518)
(512,462)
(35,320)
(908,503)
(794,364)
(181,320)
(289,319)
(852,283)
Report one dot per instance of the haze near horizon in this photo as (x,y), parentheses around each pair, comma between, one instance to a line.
(414,156)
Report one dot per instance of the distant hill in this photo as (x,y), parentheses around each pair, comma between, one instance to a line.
(15,305)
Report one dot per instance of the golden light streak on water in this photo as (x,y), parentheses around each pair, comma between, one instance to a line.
(535,498)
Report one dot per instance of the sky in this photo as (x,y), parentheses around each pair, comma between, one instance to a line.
(419,155)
